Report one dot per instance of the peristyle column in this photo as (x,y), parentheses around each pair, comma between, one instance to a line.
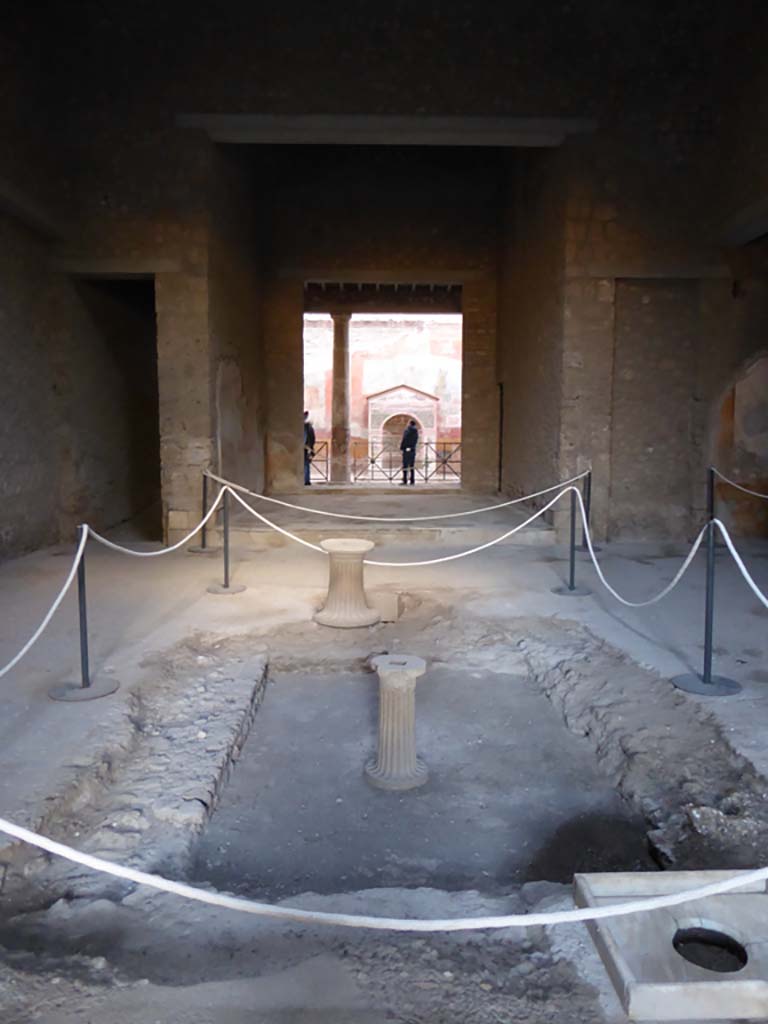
(340,403)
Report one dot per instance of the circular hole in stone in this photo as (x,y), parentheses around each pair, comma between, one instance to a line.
(711,949)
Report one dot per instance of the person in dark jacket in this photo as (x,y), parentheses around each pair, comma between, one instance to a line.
(408,448)
(309,447)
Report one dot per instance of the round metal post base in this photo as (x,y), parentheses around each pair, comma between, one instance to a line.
(219,588)
(565,591)
(196,549)
(77,692)
(384,780)
(720,686)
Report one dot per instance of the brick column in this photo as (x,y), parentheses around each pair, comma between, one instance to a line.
(340,406)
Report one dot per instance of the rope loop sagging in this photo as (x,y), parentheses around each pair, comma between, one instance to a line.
(491,543)
(56,602)
(163,551)
(739,487)
(741,880)
(740,563)
(394,519)
(87,531)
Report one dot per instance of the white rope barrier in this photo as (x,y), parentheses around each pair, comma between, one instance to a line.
(363,921)
(397,924)
(268,522)
(52,610)
(491,543)
(740,563)
(162,551)
(393,519)
(739,487)
(480,547)
(601,575)
(429,561)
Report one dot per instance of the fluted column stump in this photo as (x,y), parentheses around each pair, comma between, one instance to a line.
(346,606)
(396,766)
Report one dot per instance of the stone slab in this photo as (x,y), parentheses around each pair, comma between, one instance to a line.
(652,980)
(388,603)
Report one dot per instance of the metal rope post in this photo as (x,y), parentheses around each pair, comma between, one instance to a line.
(571,590)
(587,497)
(706,684)
(587,500)
(204,529)
(226,540)
(82,609)
(202,548)
(226,588)
(572,545)
(86,690)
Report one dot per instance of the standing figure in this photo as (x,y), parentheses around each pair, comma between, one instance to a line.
(408,448)
(309,447)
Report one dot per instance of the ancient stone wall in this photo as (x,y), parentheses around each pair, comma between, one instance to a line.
(531,321)
(633,216)
(90,130)
(652,455)
(79,432)
(234,283)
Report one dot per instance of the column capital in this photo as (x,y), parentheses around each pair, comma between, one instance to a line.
(342,317)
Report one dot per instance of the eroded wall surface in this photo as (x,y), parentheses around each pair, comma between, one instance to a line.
(531,314)
(79,399)
(674,160)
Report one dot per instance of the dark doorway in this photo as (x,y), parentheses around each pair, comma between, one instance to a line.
(123,313)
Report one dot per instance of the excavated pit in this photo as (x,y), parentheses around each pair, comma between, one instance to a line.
(549,751)
(513,795)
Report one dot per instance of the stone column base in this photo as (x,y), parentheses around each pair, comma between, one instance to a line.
(346,606)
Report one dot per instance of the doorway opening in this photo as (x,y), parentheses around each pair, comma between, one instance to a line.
(119,424)
(366,376)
